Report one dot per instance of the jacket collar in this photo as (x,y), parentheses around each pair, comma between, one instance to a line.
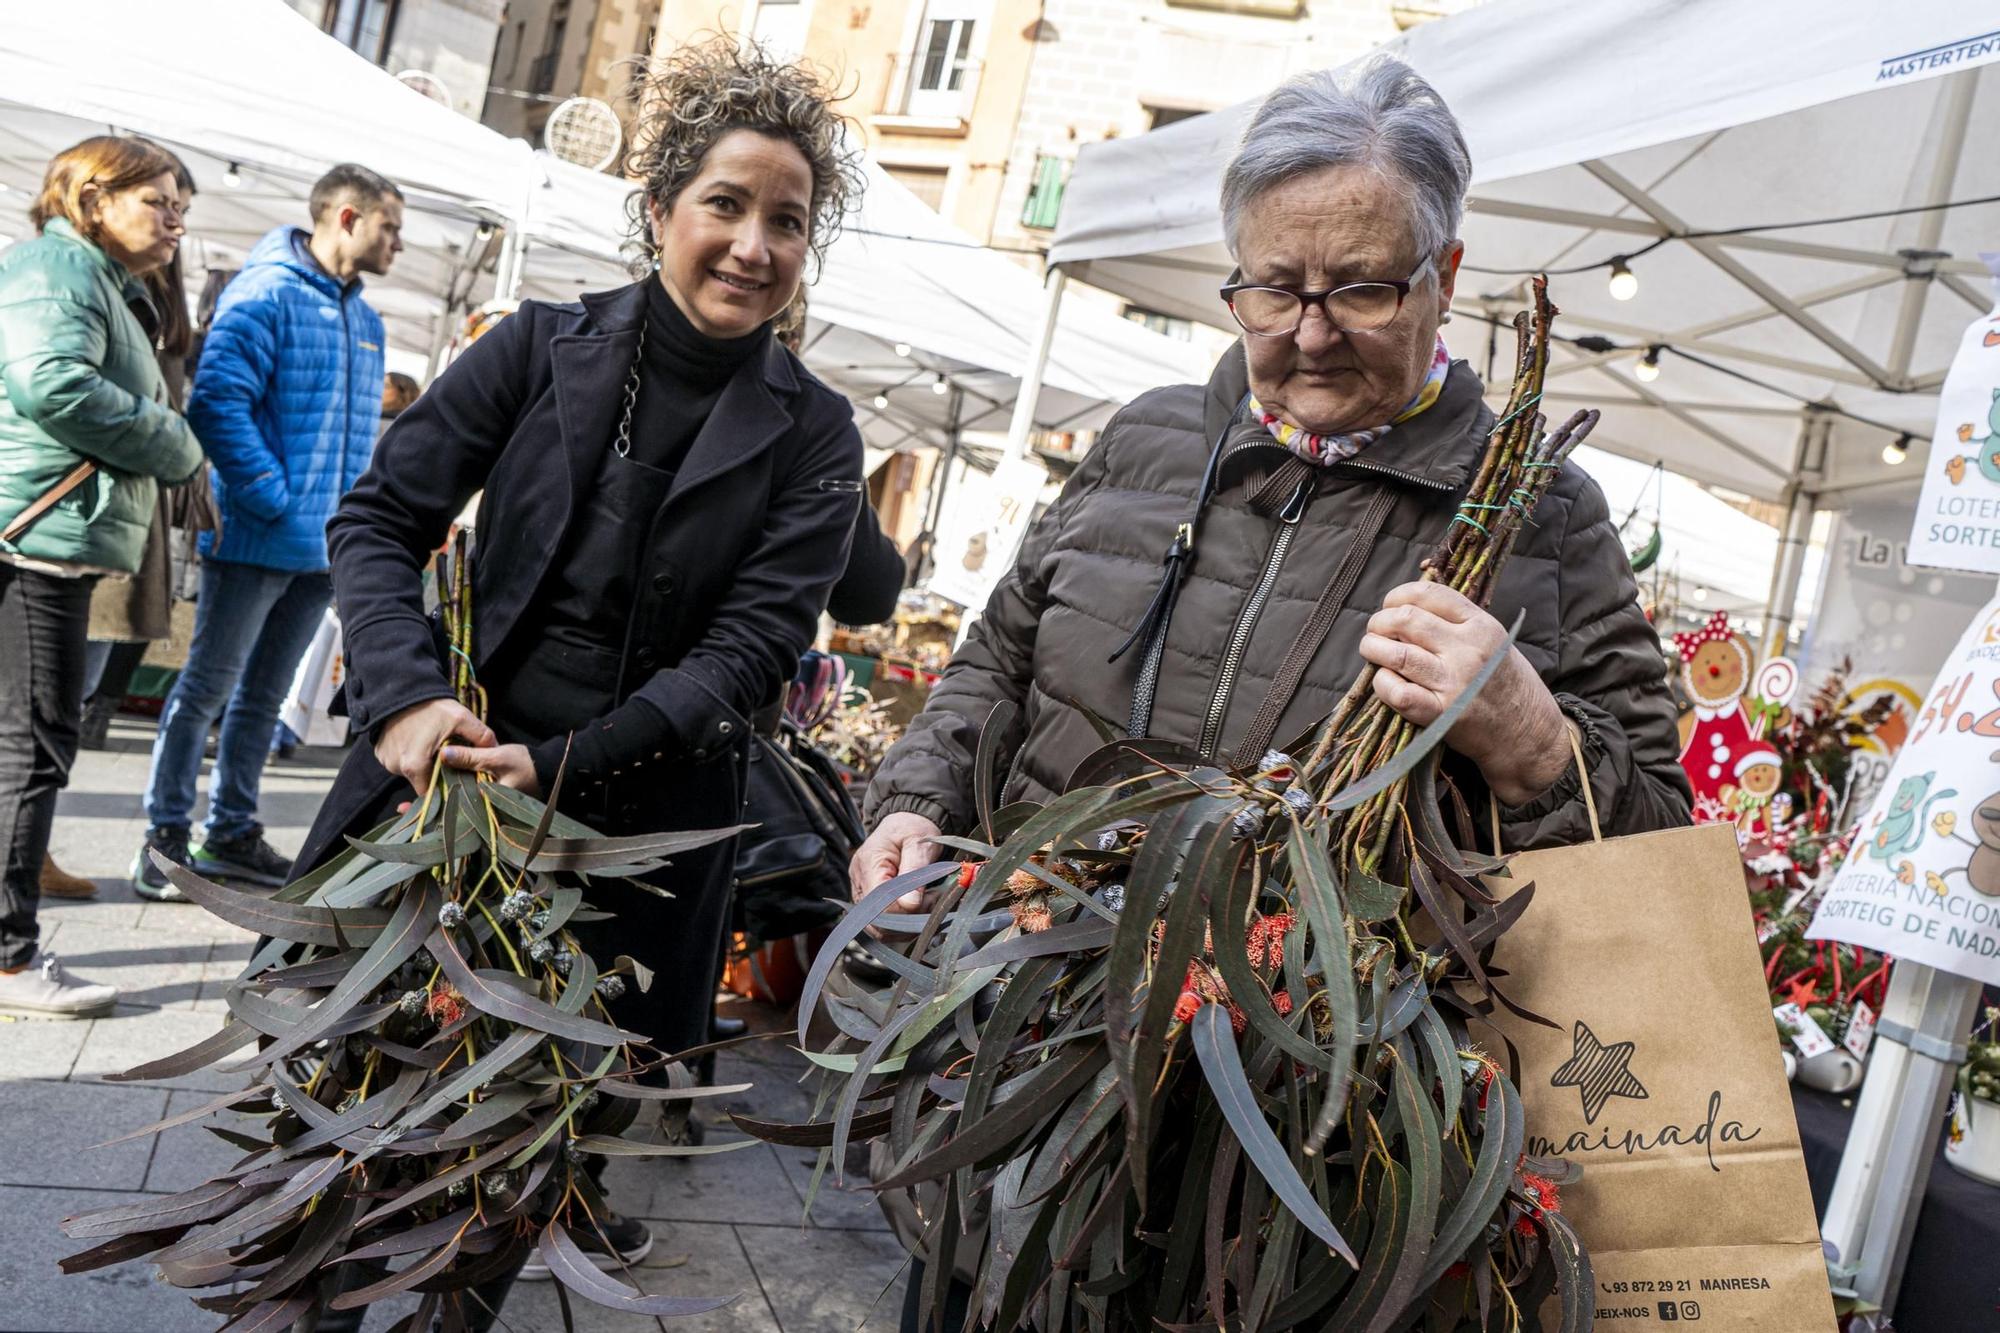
(1436,449)
(288,247)
(623,309)
(590,370)
(130,287)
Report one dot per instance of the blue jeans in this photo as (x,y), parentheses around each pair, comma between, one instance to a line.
(251,628)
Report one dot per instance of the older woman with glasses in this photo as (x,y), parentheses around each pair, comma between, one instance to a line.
(1340,423)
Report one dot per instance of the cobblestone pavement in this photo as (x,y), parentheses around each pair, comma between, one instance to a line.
(731,1222)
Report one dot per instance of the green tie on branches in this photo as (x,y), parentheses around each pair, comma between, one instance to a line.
(1188,1048)
(432,1063)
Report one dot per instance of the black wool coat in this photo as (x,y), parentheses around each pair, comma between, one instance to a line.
(754,531)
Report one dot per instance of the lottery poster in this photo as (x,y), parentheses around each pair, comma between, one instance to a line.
(1923,879)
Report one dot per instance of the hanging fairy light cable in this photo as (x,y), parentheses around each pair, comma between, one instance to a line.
(1625,283)
(1598,344)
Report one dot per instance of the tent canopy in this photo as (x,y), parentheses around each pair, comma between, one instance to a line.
(252,86)
(1597,130)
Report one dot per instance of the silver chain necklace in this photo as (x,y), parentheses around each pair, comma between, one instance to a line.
(624,442)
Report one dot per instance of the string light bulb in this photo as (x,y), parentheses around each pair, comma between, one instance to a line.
(1700,594)
(940,386)
(881,401)
(233,178)
(1896,450)
(1624,282)
(902,349)
(1648,368)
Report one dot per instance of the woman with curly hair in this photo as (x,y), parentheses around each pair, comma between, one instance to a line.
(668,498)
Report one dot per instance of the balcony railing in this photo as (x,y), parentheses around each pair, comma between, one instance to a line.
(927,87)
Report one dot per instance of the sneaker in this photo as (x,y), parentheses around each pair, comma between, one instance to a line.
(59,883)
(148,880)
(46,991)
(248,859)
(631,1238)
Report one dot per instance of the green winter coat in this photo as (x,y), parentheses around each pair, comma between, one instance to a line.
(79,381)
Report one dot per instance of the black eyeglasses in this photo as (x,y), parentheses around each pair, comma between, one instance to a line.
(1355,307)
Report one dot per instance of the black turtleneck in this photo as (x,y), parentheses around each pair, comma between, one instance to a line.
(603,589)
(685,373)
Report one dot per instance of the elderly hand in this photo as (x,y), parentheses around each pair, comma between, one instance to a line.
(1427,643)
(900,843)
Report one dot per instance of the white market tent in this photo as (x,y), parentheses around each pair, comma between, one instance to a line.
(1598,129)
(249,92)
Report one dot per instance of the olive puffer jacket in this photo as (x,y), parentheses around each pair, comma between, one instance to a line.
(1090,566)
(79,381)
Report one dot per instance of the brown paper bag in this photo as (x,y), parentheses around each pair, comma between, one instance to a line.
(1664,1082)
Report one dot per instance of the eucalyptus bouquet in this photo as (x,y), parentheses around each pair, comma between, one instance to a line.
(1193,1045)
(435,1065)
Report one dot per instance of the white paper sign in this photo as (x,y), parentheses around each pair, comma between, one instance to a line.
(1860,1030)
(1923,880)
(1807,1035)
(990,516)
(1957,523)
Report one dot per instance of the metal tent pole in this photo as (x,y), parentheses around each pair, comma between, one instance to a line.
(1030,390)
(940,478)
(1892,1144)
(1800,504)
(441,323)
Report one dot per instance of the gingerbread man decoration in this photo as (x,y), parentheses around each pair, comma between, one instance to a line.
(1715,734)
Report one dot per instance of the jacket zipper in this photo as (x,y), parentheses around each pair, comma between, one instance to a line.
(1246,622)
(346,396)
(1408,478)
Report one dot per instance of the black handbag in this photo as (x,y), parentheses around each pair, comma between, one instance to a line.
(791,869)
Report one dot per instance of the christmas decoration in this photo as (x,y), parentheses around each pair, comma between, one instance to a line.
(1715,732)
(1794,838)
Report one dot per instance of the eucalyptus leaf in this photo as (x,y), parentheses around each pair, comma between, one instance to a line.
(1215,1045)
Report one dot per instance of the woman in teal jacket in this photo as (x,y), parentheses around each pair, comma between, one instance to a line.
(80,393)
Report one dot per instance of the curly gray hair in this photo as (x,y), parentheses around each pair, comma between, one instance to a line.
(689,100)
(1383,115)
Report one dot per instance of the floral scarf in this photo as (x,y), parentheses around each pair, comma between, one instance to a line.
(1320,450)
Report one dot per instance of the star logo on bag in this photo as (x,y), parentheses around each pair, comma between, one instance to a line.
(1598,1072)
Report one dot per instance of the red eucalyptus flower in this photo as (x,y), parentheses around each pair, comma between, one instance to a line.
(1267,939)
(445,1007)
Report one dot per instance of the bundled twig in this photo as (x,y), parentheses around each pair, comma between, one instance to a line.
(1175,1037)
(435,1064)
(1519,465)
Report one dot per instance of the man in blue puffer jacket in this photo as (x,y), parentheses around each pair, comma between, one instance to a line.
(285,402)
